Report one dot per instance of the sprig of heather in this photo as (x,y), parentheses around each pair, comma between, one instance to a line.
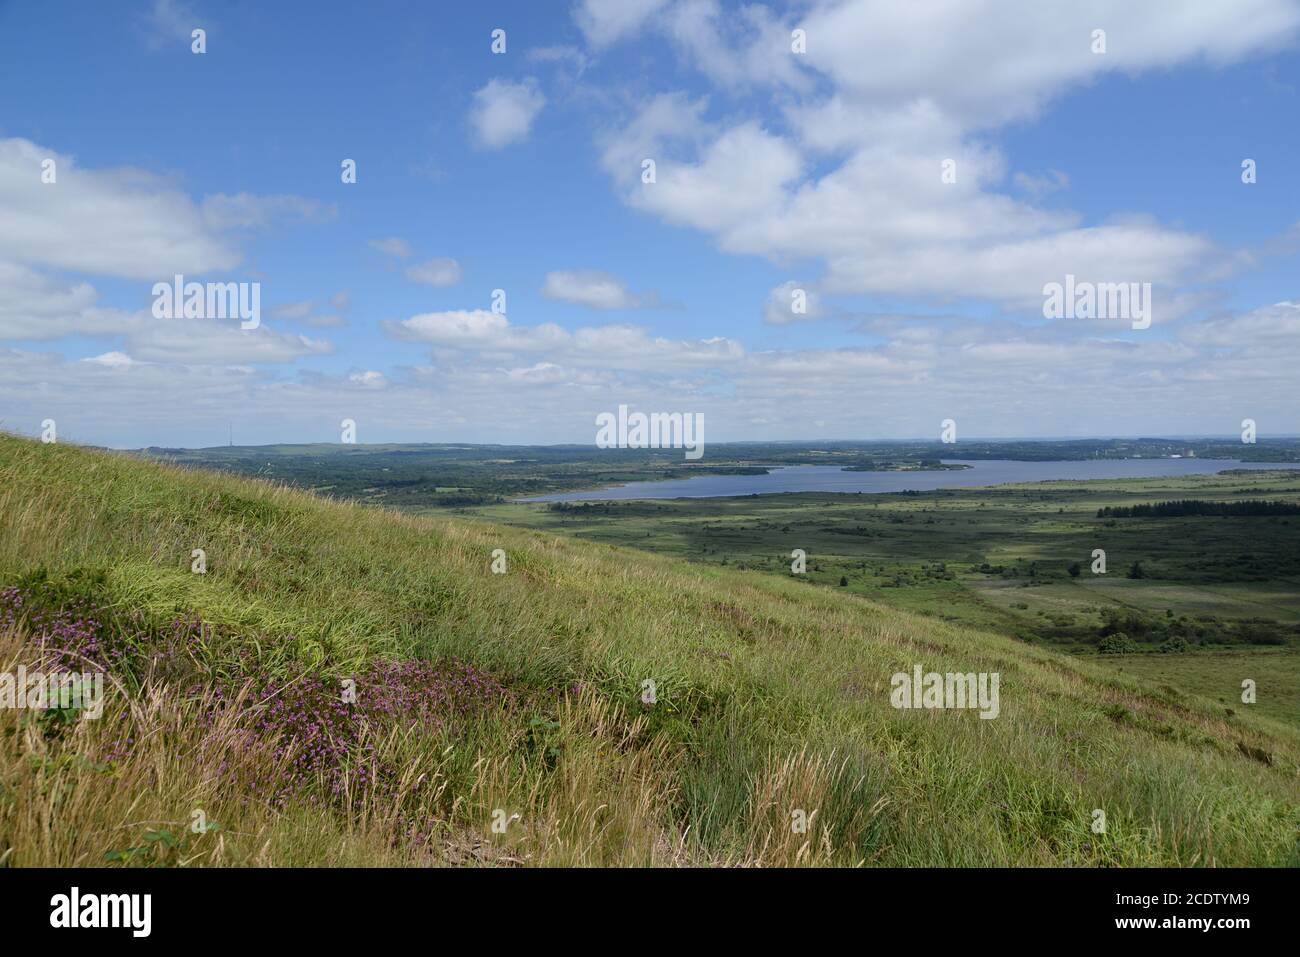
(321,738)
(68,636)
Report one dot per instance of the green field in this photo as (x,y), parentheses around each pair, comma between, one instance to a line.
(1217,676)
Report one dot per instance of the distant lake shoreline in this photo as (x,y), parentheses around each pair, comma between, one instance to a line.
(833,478)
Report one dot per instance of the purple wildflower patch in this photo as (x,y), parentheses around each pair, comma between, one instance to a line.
(319,738)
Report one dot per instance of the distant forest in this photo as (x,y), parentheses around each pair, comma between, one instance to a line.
(1193,506)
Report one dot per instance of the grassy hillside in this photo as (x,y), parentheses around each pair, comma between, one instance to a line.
(518,698)
(1017,560)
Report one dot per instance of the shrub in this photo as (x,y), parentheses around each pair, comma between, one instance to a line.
(1116,644)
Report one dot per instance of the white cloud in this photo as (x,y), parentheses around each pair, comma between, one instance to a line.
(392,246)
(34,306)
(784,302)
(883,221)
(665,120)
(246,211)
(123,222)
(488,380)
(305,313)
(215,342)
(606,21)
(1264,329)
(118,222)
(547,372)
(458,327)
(611,346)
(595,290)
(435,272)
(171,22)
(117,360)
(503,112)
(1041,185)
(853,179)
(37,306)
(735,46)
(294,310)
(989,61)
(572,56)
(740,175)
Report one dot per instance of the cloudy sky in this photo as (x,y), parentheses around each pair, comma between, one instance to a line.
(501,270)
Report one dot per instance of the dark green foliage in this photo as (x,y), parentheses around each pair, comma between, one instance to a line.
(1194,506)
(1116,644)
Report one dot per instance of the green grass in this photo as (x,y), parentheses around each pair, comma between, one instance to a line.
(1218,675)
(772,697)
(1221,582)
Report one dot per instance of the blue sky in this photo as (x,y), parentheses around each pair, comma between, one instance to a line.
(521,172)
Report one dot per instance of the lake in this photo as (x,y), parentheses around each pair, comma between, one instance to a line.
(832,478)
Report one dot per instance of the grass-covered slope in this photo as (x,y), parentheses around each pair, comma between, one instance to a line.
(517,698)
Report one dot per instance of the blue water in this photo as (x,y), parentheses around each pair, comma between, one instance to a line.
(830,478)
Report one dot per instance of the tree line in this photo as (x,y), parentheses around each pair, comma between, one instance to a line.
(1193,506)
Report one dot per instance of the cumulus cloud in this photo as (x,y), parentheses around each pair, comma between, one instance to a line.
(114,222)
(606,21)
(457,327)
(123,222)
(503,112)
(735,46)
(37,306)
(595,290)
(611,346)
(215,342)
(884,96)
(117,360)
(991,61)
(487,379)
(793,301)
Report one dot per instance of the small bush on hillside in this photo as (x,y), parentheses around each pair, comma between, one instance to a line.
(1116,644)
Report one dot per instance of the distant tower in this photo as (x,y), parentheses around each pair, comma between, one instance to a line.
(232,435)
